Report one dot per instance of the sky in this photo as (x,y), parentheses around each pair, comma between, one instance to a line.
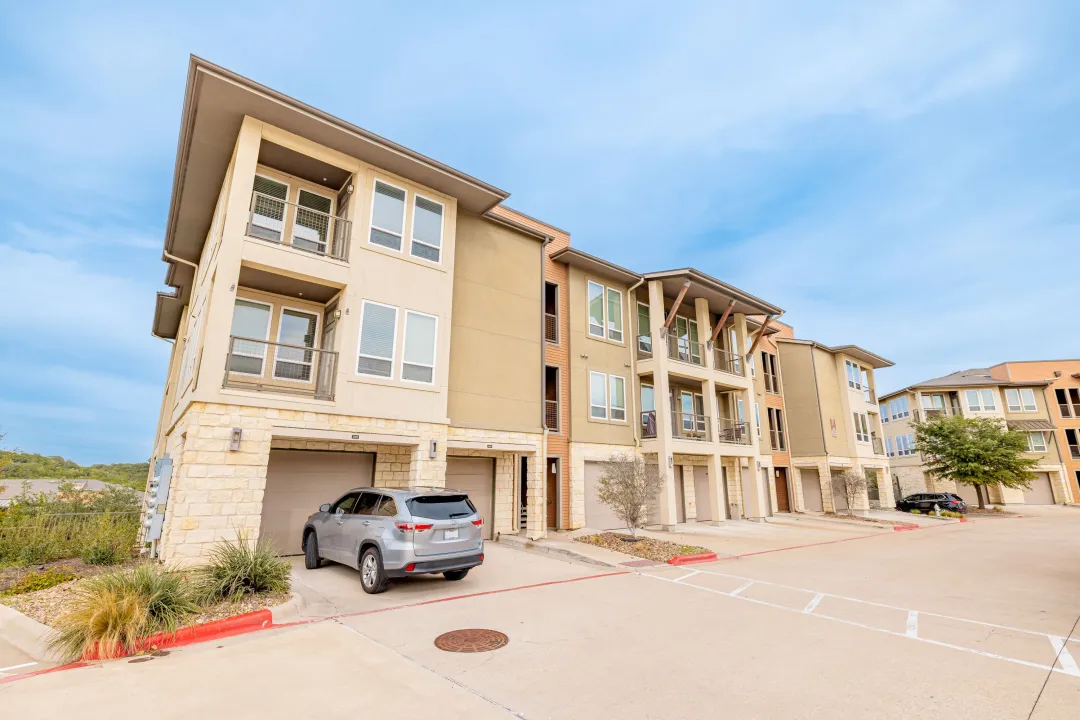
(903,176)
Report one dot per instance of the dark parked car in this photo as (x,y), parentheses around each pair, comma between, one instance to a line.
(925,502)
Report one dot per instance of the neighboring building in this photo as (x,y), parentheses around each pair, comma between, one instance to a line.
(833,424)
(979,392)
(770,414)
(1064,396)
(10,490)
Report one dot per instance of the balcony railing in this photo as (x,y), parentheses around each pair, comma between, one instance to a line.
(644,347)
(690,426)
(681,349)
(936,412)
(304,228)
(551,415)
(728,362)
(648,424)
(280,368)
(551,328)
(879,449)
(732,431)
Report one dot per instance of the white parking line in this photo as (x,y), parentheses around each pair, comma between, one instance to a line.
(912,624)
(812,605)
(16,667)
(1065,660)
(737,591)
(690,574)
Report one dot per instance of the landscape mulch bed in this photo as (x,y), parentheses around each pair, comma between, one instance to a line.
(645,547)
(12,574)
(991,512)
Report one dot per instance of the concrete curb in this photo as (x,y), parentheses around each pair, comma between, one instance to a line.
(519,543)
(26,634)
(691,559)
(289,611)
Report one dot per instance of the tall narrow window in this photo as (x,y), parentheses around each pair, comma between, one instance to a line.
(1063,403)
(296,329)
(973,400)
(268,209)
(250,320)
(418,349)
(988,403)
(883,414)
(598,395)
(644,329)
(1027,398)
(618,398)
(1036,442)
(378,332)
(614,315)
(387,215)
(757,419)
(865,376)
(312,225)
(888,447)
(596,309)
(427,229)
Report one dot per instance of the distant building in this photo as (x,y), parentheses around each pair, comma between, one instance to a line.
(11,489)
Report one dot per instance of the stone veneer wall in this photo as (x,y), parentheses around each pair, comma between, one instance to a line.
(579,454)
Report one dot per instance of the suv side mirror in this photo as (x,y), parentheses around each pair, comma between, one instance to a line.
(325,507)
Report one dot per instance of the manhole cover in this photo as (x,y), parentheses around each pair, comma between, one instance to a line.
(471,641)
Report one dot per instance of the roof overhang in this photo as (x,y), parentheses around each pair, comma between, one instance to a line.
(717,292)
(1030,425)
(861,354)
(592,264)
(215,103)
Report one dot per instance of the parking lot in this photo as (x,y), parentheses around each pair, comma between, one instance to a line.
(958,620)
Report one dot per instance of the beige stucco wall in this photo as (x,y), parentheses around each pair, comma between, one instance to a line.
(832,396)
(801,400)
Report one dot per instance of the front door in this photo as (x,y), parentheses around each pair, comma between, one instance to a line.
(782,502)
(552,493)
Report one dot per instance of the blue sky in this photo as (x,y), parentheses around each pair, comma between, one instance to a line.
(902,176)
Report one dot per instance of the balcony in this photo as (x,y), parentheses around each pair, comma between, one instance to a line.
(648,424)
(879,448)
(728,362)
(732,431)
(302,226)
(681,349)
(690,426)
(644,347)
(936,412)
(278,368)
(551,328)
(551,415)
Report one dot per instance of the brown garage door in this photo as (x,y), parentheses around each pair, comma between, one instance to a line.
(1040,493)
(475,476)
(968,493)
(298,482)
(598,516)
(811,489)
(701,493)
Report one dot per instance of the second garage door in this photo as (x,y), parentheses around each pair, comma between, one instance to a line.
(811,489)
(1040,493)
(476,477)
(598,516)
(298,482)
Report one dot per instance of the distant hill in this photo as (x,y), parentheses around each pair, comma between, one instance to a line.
(27,466)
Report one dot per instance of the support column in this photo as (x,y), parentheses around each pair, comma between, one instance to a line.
(662,393)
(536,512)
(828,502)
(795,493)
(715,504)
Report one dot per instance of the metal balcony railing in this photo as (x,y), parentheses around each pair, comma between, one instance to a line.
(301,227)
(879,448)
(732,431)
(690,426)
(551,328)
(551,415)
(681,349)
(648,424)
(279,368)
(644,347)
(728,362)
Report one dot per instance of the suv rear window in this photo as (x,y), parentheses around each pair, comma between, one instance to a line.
(441,507)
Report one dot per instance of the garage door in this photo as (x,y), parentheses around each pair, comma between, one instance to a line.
(701,493)
(598,516)
(476,477)
(1040,493)
(968,493)
(298,482)
(811,489)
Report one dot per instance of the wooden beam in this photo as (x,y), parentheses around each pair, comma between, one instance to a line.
(723,319)
(675,307)
(760,335)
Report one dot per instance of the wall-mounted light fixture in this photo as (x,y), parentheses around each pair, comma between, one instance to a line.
(433,452)
(234,441)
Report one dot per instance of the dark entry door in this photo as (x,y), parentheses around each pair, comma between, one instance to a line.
(552,492)
(782,503)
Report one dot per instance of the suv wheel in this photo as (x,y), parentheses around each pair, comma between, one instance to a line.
(372,577)
(311,551)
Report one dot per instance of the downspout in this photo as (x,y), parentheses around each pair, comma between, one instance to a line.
(635,382)
(179,260)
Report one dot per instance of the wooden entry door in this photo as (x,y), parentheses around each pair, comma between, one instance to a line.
(782,502)
(552,492)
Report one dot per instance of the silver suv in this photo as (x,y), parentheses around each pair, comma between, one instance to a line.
(388,533)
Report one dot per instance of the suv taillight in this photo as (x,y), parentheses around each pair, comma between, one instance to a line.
(478,522)
(409,527)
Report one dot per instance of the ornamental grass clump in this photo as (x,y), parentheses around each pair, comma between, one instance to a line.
(242,568)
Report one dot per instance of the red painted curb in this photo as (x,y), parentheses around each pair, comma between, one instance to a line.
(236,625)
(46,671)
(690,559)
(902,528)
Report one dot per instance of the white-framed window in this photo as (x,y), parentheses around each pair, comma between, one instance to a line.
(418,347)
(884,415)
(598,396)
(311,227)
(251,319)
(862,427)
(889,447)
(387,215)
(980,400)
(605,312)
(614,315)
(854,377)
(378,335)
(898,408)
(617,398)
(644,331)
(866,384)
(596,309)
(757,420)
(750,362)
(1036,442)
(268,204)
(297,328)
(427,229)
(1022,400)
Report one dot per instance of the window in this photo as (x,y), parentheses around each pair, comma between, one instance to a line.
(614,315)
(418,349)
(551,313)
(378,333)
(618,398)
(268,209)
(853,376)
(648,411)
(884,415)
(686,339)
(367,504)
(312,223)
(889,447)
(757,420)
(750,362)
(427,224)
(387,507)
(644,331)
(1071,439)
(598,396)
(898,408)
(296,328)
(1036,442)
(988,402)
(1066,398)
(387,215)
(905,445)
(693,411)
(1063,403)
(596,309)
(1022,400)
(776,428)
(345,504)
(866,386)
(771,372)
(862,428)
(250,320)
(980,400)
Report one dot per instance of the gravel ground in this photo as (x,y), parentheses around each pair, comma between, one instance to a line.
(13,573)
(648,548)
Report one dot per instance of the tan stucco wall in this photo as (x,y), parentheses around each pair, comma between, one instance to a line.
(832,390)
(801,400)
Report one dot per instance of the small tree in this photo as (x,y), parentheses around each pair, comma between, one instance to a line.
(627,487)
(976,452)
(851,485)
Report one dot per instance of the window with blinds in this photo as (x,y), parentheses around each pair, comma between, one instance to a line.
(312,226)
(296,329)
(250,320)
(378,328)
(387,216)
(268,209)
(427,229)
(418,352)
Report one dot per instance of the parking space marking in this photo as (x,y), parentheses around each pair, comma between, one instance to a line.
(1067,663)
(16,667)
(690,574)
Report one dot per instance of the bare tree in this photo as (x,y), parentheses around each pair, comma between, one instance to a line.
(851,484)
(627,487)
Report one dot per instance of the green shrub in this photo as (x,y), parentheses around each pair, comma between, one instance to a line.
(242,568)
(33,534)
(951,514)
(41,580)
(100,555)
(113,611)
(915,511)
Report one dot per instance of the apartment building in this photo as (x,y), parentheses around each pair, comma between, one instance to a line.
(1023,404)
(770,414)
(833,424)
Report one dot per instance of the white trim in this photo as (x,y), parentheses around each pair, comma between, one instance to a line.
(611,397)
(314,349)
(266,337)
(284,212)
(329,225)
(404,216)
(412,230)
(360,337)
(622,316)
(434,348)
(1042,437)
(603,310)
(593,374)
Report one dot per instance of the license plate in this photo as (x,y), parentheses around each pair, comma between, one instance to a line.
(450,534)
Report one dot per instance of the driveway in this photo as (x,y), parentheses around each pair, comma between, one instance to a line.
(953,621)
